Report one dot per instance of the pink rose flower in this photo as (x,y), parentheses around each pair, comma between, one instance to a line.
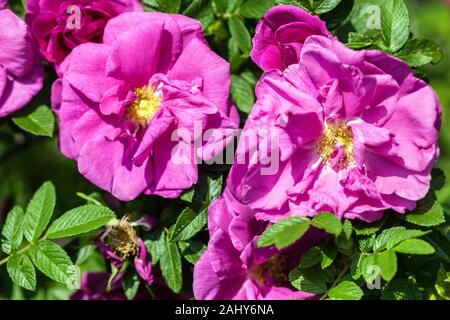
(357,135)
(21,74)
(120,102)
(280,36)
(60,25)
(235,268)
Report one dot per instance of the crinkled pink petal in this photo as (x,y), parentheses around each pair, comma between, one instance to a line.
(87,71)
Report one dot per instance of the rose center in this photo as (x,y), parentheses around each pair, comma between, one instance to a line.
(274,268)
(337,136)
(122,238)
(144,107)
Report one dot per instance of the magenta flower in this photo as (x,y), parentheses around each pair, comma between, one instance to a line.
(357,135)
(60,25)
(21,74)
(128,108)
(234,268)
(280,36)
(3,4)
(93,287)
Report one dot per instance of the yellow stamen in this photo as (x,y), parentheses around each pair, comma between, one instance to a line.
(337,134)
(144,108)
(122,238)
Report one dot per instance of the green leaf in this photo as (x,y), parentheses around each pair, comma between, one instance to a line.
(85,253)
(255,9)
(346,290)
(307,280)
(326,6)
(419,52)
(214,188)
(366,229)
(21,270)
(234,56)
(169,6)
(188,195)
(170,263)
(443,283)
(188,224)
(328,254)
(40,122)
(415,246)
(242,93)
(370,270)
(366,243)
(394,24)
(441,244)
(438,179)
(358,41)
(51,260)
(347,229)
(13,230)
(365,18)
(233,5)
(192,250)
(356,268)
(401,289)
(131,284)
(220,6)
(328,222)
(337,16)
(430,218)
(80,220)
(39,211)
(208,188)
(155,243)
(240,33)
(389,238)
(206,16)
(284,232)
(311,257)
(250,77)
(387,262)
(195,7)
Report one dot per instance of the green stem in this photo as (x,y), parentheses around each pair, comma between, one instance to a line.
(24,249)
(336,281)
(2,262)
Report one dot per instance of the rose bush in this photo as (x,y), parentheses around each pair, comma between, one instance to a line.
(124,175)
